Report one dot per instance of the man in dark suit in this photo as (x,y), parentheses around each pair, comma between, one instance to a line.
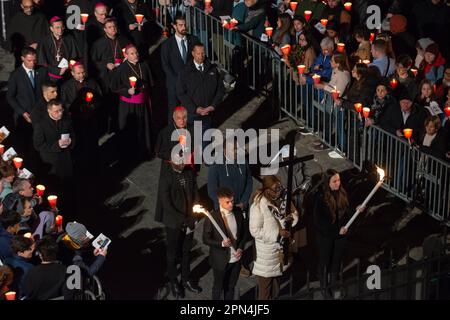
(175,54)
(49,92)
(24,87)
(53,137)
(225,255)
(178,193)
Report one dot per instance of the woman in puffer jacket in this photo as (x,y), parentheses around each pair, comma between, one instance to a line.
(268,227)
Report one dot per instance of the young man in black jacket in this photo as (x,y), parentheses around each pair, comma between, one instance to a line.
(225,254)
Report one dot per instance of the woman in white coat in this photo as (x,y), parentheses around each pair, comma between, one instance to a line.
(267,226)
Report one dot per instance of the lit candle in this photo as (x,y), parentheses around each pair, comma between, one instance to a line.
(341,47)
(207,4)
(286,49)
(316,78)
(133,81)
(139,18)
(363,205)
(199,209)
(123,51)
(293,5)
(366,112)
(233,23)
(301,69)
(40,189)
(366,62)
(2,149)
(372,36)
(408,133)
(307,14)
(182,139)
(72,63)
(348,6)
(11,295)
(414,71)
(447,111)
(225,24)
(28,235)
(335,94)
(89,96)
(394,83)
(52,200)
(269,31)
(18,162)
(84,17)
(358,107)
(58,220)
(324,22)
(117,62)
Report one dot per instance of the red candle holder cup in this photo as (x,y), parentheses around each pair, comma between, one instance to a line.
(286,49)
(72,63)
(165,33)
(335,94)
(358,107)
(307,15)
(233,23)
(133,81)
(11,295)
(316,79)
(2,149)
(341,47)
(269,31)
(324,22)
(18,162)
(301,69)
(366,112)
(52,201)
(89,97)
(348,6)
(408,133)
(59,220)
(293,5)
(139,18)
(372,36)
(40,189)
(447,111)
(84,17)
(394,83)
(117,62)
(414,72)
(226,24)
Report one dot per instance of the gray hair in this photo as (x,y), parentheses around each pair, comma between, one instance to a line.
(18,185)
(327,43)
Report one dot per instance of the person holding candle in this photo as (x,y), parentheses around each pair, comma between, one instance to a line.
(298,28)
(315,6)
(54,48)
(7,176)
(432,66)
(254,19)
(135,105)
(225,254)
(281,36)
(267,227)
(178,192)
(362,36)
(426,99)
(383,102)
(95,26)
(322,64)
(48,141)
(433,141)
(174,56)
(405,79)
(302,54)
(125,12)
(331,210)
(334,11)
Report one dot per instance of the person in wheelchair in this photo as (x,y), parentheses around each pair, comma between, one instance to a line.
(73,249)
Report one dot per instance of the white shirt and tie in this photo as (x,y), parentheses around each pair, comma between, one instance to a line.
(30,74)
(182,46)
(199,67)
(229,221)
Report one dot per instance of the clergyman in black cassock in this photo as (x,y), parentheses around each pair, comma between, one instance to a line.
(56,47)
(134,106)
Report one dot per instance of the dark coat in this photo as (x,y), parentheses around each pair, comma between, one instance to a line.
(21,95)
(171,60)
(438,146)
(323,221)
(199,89)
(24,30)
(45,281)
(46,135)
(218,255)
(175,199)
(73,99)
(415,121)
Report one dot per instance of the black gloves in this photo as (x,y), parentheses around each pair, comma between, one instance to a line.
(189,222)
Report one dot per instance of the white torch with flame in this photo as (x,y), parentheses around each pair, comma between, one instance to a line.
(363,205)
(199,209)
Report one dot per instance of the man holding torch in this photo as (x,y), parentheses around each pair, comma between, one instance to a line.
(225,254)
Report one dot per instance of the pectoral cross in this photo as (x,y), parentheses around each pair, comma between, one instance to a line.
(58,57)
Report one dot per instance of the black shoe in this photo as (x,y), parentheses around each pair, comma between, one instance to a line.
(192,287)
(177,290)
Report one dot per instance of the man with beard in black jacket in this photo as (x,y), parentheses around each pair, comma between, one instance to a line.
(200,88)
(178,193)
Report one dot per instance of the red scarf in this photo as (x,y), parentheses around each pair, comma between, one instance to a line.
(439,61)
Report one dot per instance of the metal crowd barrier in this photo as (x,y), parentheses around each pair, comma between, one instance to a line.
(412,174)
